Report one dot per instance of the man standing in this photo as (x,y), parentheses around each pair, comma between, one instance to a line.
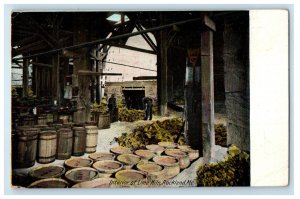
(112,104)
(148,108)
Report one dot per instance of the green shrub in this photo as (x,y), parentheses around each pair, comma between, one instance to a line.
(234,171)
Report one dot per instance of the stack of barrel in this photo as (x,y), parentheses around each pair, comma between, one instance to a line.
(44,144)
(121,167)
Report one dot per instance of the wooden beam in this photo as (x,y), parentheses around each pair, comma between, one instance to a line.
(86,72)
(40,31)
(42,64)
(127,35)
(147,38)
(25,41)
(145,78)
(163,76)
(133,48)
(207,84)
(25,77)
(55,78)
(29,46)
(209,23)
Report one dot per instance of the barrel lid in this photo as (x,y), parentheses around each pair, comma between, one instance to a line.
(40,126)
(155,148)
(177,153)
(128,159)
(47,171)
(81,174)
(96,183)
(64,130)
(168,144)
(24,127)
(149,167)
(48,132)
(49,183)
(108,166)
(28,131)
(78,162)
(165,160)
(120,150)
(78,128)
(130,174)
(91,127)
(102,156)
(184,147)
(147,154)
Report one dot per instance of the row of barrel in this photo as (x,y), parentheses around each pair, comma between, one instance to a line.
(118,168)
(44,144)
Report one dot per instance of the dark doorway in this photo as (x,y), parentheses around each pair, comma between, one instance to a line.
(134,98)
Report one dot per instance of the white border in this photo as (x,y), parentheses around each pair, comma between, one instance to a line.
(294,142)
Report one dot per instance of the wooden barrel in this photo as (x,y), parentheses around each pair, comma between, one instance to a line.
(42,119)
(155,148)
(63,119)
(104,121)
(149,168)
(49,117)
(145,154)
(68,125)
(102,156)
(20,179)
(131,178)
(168,145)
(120,150)
(79,141)
(78,162)
(50,183)
(64,143)
(171,165)
(25,147)
(47,171)
(155,173)
(91,139)
(28,120)
(47,146)
(193,154)
(183,157)
(81,175)
(107,167)
(41,126)
(96,183)
(128,160)
(56,126)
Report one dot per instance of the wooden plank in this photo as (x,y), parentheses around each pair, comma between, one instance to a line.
(87,72)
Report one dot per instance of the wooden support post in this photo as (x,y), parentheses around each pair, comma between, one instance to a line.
(55,78)
(83,63)
(25,77)
(163,76)
(207,84)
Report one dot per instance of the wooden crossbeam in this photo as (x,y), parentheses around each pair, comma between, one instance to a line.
(86,72)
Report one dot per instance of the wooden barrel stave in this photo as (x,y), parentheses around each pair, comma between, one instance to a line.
(91,139)
(47,147)
(64,143)
(79,141)
(25,147)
